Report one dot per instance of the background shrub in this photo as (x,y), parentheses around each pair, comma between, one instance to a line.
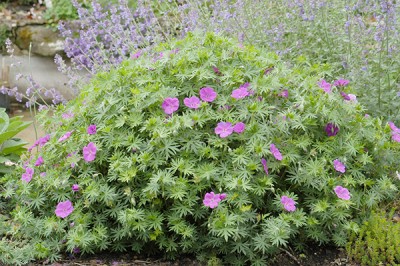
(135,171)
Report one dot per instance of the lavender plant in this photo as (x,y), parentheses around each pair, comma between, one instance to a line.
(359,39)
(203,146)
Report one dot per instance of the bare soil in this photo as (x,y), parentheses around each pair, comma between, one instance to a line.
(320,256)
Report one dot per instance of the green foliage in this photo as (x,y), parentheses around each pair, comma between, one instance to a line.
(10,148)
(4,34)
(61,10)
(377,242)
(144,190)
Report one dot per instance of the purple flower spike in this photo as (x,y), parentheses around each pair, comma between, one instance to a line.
(396,137)
(288,203)
(264,163)
(331,129)
(339,166)
(341,82)
(216,71)
(170,105)
(342,193)
(223,129)
(345,96)
(239,127)
(91,130)
(192,102)
(274,150)
(325,86)
(211,200)
(64,209)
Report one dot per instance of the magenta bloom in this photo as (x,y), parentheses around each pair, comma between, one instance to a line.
(27,176)
(216,71)
(239,127)
(284,94)
(325,86)
(274,150)
(208,94)
(264,163)
(288,203)
(170,105)
(91,130)
(39,161)
(242,92)
(192,102)
(396,137)
(136,55)
(352,97)
(89,152)
(339,166)
(75,187)
(65,136)
(341,82)
(64,209)
(345,96)
(342,193)
(224,129)
(393,127)
(44,140)
(211,200)
(331,129)
(222,196)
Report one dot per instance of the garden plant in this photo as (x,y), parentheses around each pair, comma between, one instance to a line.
(202,146)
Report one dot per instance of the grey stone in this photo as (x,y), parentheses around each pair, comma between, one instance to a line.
(45,40)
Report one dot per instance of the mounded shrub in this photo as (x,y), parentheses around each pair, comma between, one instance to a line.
(205,147)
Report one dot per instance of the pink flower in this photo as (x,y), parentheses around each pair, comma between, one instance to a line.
(274,150)
(284,94)
(39,161)
(222,196)
(91,130)
(342,193)
(27,176)
(264,163)
(393,127)
(211,200)
(192,102)
(65,136)
(325,86)
(242,92)
(223,129)
(44,140)
(352,97)
(208,94)
(396,137)
(75,187)
(339,166)
(170,105)
(239,127)
(216,71)
(345,96)
(89,152)
(341,82)
(288,203)
(136,55)
(64,209)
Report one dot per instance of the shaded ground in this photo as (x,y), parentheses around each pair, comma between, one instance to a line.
(325,256)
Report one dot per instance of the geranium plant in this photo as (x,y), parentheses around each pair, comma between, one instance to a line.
(168,155)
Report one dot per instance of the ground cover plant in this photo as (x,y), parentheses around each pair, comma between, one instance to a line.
(204,146)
